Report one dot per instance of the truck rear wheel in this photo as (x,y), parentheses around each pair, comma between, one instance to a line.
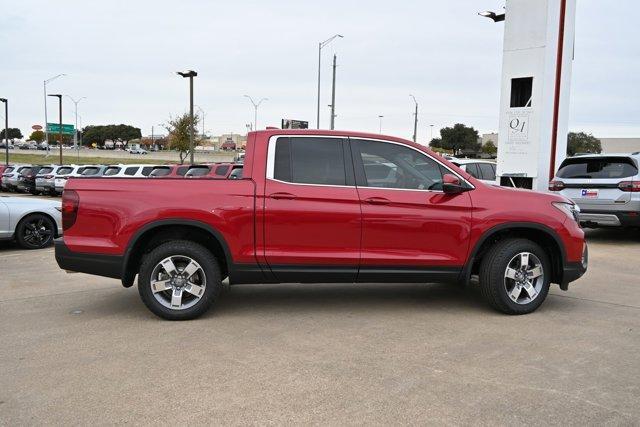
(179,280)
(515,276)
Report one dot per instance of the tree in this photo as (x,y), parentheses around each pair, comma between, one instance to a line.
(99,134)
(37,136)
(435,143)
(583,143)
(14,133)
(178,129)
(459,137)
(489,148)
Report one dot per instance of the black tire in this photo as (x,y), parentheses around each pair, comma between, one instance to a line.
(184,248)
(492,275)
(36,231)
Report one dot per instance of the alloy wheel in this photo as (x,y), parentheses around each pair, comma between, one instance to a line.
(178,282)
(524,278)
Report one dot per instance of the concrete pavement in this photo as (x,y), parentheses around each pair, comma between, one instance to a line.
(79,349)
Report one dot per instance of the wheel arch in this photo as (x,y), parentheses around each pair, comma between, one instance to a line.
(153,234)
(541,234)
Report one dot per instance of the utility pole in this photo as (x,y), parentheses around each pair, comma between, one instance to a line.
(333,95)
(380,117)
(320,46)
(190,74)
(6,129)
(431,135)
(415,120)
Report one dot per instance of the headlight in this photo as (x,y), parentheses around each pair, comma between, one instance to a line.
(570,209)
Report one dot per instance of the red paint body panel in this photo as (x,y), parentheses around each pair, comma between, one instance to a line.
(312,224)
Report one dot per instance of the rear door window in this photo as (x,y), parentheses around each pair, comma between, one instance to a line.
(597,168)
(487,171)
(472,169)
(310,161)
(222,170)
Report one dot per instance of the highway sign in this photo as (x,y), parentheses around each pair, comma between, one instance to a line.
(55,128)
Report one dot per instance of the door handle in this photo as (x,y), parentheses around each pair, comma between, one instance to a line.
(377,201)
(282,196)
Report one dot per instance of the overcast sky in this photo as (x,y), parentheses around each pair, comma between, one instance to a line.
(122,55)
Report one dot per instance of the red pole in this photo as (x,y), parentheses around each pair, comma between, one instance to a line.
(556,101)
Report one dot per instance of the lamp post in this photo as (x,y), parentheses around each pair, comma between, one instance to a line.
(431,133)
(320,46)
(190,74)
(75,135)
(6,129)
(46,131)
(60,114)
(415,120)
(255,107)
(380,129)
(203,115)
(492,15)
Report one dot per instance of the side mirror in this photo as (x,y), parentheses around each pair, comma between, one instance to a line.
(451,184)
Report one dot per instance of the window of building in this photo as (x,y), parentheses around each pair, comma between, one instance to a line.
(521,91)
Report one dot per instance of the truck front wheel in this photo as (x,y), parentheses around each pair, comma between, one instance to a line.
(179,280)
(515,275)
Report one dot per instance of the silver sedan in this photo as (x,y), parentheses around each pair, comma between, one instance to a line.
(31,222)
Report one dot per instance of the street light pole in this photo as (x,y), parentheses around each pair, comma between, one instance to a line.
(203,114)
(190,74)
(320,46)
(60,113)
(431,134)
(380,130)
(333,95)
(46,131)
(75,135)
(6,129)
(415,121)
(255,107)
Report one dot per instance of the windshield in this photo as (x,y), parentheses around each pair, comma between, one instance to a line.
(64,171)
(597,168)
(90,171)
(45,170)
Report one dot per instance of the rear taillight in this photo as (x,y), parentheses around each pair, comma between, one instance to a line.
(70,203)
(630,186)
(556,185)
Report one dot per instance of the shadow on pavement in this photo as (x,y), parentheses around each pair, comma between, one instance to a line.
(613,235)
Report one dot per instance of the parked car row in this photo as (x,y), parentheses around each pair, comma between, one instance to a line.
(51,179)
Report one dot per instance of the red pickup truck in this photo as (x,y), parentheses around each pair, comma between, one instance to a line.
(317,207)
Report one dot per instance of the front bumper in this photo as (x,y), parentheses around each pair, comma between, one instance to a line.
(603,218)
(574,270)
(97,264)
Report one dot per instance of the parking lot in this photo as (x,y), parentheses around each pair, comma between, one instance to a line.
(79,349)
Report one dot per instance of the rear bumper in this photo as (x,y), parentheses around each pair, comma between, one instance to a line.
(97,264)
(603,218)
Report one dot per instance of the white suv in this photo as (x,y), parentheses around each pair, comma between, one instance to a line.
(606,187)
(483,170)
(128,171)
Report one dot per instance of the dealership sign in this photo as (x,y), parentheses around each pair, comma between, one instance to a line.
(294,124)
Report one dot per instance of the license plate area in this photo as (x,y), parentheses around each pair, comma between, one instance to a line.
(589,193)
